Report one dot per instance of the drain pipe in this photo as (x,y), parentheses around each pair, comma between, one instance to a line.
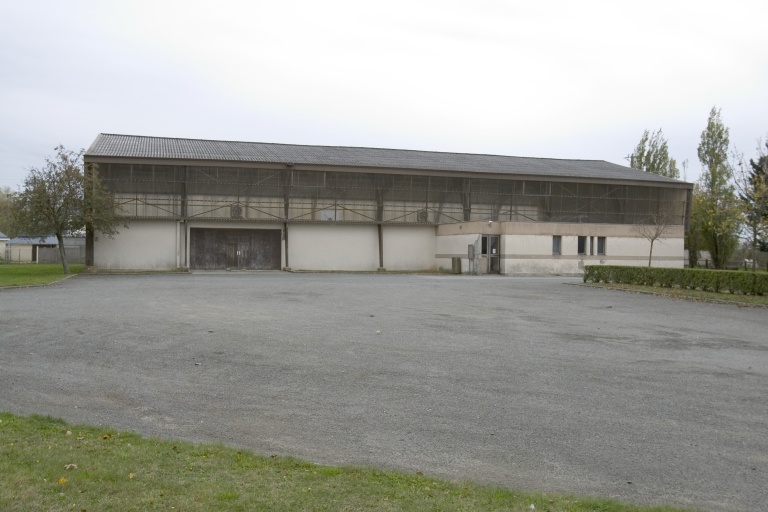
(285,237)
(381,250)
(178,244)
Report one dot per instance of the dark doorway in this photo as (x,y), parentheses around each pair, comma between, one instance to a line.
(491,251)
(247,249)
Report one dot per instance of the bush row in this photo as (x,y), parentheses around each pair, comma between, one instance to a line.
(748,283)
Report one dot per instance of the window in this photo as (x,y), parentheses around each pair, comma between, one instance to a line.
(557,243)
(601,245)
(582,245)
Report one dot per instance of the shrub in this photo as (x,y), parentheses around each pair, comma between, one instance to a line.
(747,283)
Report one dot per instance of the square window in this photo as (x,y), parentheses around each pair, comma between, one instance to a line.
(601,245)
(582,245)
(557,242)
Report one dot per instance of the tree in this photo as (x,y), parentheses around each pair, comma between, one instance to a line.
(6,212)
(752,184)
(694,239)
(652,230)
(652,155)
(61,198)
(718,211)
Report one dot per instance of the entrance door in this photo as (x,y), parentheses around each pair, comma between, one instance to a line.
(252,249)
(238,251)
(231,255)
(492,253)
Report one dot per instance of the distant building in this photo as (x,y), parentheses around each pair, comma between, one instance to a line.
(205,204)
(4,239)
(25,249)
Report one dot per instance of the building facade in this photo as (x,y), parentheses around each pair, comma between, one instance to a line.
(202,204)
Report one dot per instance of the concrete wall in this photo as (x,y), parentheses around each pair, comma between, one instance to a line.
(333,247)
(19,253)
(526,247)
(450,246)
(146,245)
(409,247)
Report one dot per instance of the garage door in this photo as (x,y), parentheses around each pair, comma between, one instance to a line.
(248,249)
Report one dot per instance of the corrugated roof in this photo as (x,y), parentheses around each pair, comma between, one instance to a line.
(133,146)
(34,240)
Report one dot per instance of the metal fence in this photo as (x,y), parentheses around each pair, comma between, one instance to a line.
(263,194)
(74,249)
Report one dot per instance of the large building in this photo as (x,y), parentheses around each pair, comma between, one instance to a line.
(205,204)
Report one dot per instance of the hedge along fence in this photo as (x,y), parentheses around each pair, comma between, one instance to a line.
(747,283)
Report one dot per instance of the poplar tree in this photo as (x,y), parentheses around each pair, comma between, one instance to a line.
(718,214)
(652,155)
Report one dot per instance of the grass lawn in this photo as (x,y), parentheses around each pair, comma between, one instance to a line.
(48,465)
(695,295)
(26,274)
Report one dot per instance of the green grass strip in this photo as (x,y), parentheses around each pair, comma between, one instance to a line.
(49,465)
(28,274)
(682,293)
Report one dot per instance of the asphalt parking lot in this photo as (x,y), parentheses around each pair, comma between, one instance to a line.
(529,383)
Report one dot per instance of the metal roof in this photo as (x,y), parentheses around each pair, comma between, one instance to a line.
(134,146)
(34,240)
(3,236)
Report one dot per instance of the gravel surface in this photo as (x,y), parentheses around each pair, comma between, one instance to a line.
(529,383)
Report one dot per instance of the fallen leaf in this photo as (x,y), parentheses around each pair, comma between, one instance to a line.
(70,466)
(131,475)
(69,432)
(106,436)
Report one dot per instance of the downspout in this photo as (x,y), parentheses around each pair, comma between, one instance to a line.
(381,249)
(285,236)
(89,235)
(178,244)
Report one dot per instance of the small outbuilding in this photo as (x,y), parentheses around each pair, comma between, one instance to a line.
(26,249)
(210,204)
(4,239)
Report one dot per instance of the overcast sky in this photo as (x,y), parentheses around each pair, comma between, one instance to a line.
(558,79)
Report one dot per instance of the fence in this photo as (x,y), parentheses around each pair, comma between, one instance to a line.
(73,247)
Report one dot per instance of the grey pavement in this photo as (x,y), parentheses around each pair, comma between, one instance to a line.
(528,383)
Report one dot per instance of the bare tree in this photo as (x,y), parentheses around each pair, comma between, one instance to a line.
(652,229)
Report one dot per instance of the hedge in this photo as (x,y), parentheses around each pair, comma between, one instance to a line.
(743,282)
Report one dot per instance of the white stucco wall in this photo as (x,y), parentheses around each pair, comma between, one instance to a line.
(409,247)
(333,247)
(146,245)
(526,247)
(19,253)
(449,246)
(532,254)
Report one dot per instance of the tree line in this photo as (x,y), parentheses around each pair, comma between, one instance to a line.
(730,199)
